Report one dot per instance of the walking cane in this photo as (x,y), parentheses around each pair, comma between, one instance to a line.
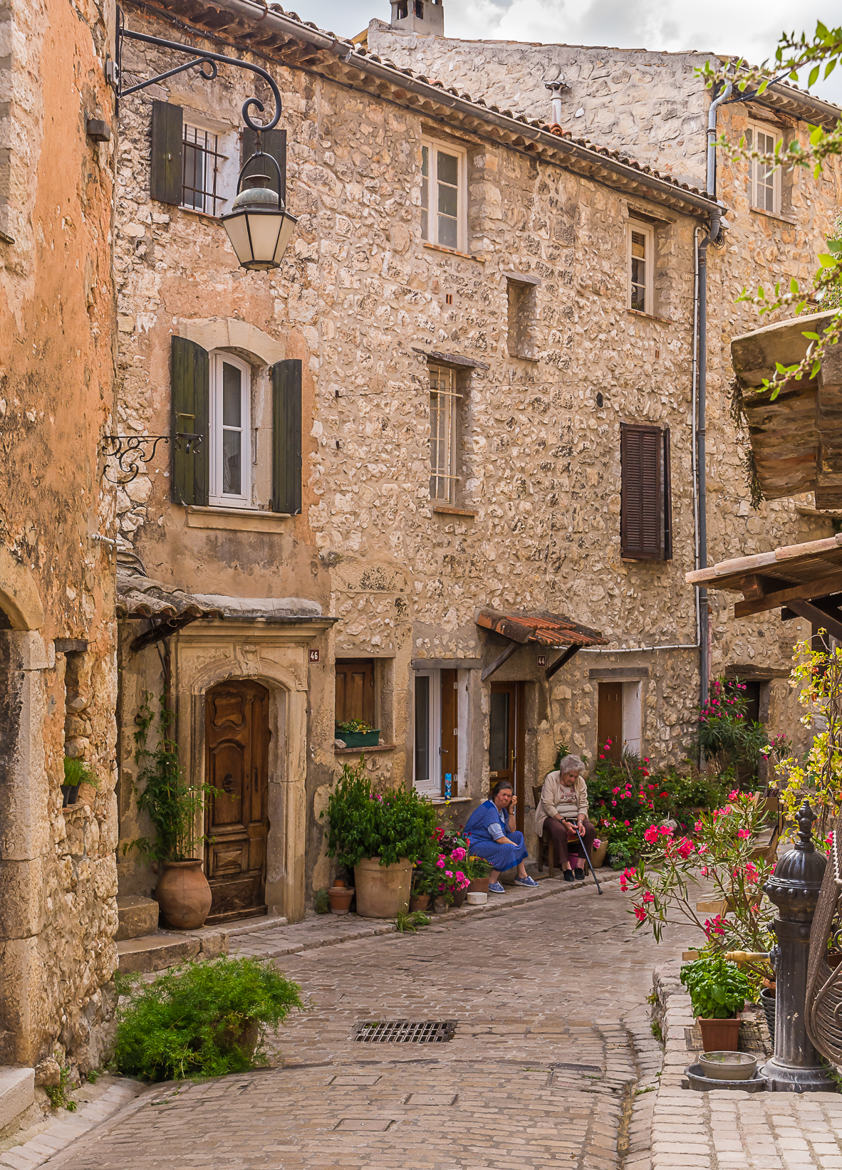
(587,857)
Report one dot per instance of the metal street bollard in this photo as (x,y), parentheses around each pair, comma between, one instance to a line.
(794,889)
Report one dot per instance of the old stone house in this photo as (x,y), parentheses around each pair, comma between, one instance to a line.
(58,874)
(449,444)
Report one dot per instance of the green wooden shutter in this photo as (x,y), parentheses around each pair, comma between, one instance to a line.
(286,436)
(165,178)
(190,390)
(274,143)
(642,495)
(667,497)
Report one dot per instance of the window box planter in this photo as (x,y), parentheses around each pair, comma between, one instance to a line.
(353,739)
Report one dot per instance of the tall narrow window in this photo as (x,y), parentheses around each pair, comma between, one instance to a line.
(765,178)
(445,404)
(230,431)
(201,165)
(645,508)
(641,266)
(437,748)
(443,195)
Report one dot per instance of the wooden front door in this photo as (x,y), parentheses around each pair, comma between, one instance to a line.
(506,740)
(610,720)
(236,820)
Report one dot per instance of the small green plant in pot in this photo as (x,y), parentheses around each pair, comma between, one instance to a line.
(718,990)
(76,772)
(201,1020)
(174,806)
(357,733)
(378,835)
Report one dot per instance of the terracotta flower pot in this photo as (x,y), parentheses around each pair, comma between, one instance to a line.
(480,885)
(340,897)
(720,1035)
(599,854)
(183,894)
(382,890)
(459,897)
(419,902)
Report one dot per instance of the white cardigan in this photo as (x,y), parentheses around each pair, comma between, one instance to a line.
(552,804)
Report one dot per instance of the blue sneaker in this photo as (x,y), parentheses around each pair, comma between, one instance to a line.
(527,881)
(496,888)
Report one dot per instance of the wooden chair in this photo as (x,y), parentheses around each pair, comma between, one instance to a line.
(546,847)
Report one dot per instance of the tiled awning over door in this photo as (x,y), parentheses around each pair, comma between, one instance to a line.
(552,630)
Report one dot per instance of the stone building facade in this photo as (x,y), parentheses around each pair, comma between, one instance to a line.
(476,378)
(57,628)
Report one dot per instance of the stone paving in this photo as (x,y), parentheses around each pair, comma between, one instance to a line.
(552,1039)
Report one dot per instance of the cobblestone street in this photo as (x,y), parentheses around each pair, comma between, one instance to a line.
(552,1041)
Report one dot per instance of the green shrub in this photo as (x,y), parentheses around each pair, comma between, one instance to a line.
(362,823)
(77,772)
(718,988)
(201,1020)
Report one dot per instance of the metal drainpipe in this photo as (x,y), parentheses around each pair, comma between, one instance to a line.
(701,329)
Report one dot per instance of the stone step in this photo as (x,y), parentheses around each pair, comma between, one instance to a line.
(137,916)
(17,1093)
(156,952)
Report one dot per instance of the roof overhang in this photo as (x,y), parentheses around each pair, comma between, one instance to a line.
(801,580)
(551,630)
(796,440)
(269,31)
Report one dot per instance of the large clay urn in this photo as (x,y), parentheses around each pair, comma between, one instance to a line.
(382,890)
(183,894)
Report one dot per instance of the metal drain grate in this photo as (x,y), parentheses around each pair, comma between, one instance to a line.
(403,1031)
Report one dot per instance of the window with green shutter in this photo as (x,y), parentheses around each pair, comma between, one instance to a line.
(189,386)
(645,510)
(286,436)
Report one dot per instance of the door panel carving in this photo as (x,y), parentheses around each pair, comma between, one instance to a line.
(236,820)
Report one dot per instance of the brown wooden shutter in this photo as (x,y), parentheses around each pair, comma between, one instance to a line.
(165,179)
(272,142)
(667,497)
(286,436)
(642,500)
(190,391)
(355,690)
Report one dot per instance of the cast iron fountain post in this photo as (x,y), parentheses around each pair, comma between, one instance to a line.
(794,889)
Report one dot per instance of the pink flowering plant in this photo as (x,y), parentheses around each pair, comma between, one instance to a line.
(444,868)
(726,734)
(717,851)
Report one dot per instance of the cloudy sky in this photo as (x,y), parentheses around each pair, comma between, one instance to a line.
(747,27)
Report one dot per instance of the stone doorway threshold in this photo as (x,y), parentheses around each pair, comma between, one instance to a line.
(166,948)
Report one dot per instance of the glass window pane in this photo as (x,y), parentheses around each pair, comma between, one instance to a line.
(231,396)
(448,201)
(422,728)
(448,233)
(425,161)
(232,445)
(498,747)
(447,168)
(638,244)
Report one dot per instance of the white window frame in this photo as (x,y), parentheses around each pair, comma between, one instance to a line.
(632,718)
(445,434)
(429,192)
(647,231)
(431,786)
(765,185)
(216,496)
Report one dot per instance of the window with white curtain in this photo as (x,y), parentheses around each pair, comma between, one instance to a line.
(230,431)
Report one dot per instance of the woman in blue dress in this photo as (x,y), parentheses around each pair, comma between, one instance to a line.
(492,833)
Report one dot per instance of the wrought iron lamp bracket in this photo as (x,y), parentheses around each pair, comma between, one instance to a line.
(131,452)
(206,62)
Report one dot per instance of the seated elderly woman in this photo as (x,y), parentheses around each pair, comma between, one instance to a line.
(492,833)
(563,809)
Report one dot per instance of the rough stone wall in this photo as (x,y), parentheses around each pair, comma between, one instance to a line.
(358,297)
(57,870)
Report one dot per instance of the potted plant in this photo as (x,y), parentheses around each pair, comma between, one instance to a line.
(357,733)
(173,806)
(76,772)
(718,990)
(479,872)
(340,896)
(378,835)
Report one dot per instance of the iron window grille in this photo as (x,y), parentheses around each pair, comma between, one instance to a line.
(445,406)
(202,161)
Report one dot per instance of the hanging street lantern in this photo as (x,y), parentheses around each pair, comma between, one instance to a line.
(258,224)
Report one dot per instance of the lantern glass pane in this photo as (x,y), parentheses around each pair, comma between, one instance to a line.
(264,236)
(237,230)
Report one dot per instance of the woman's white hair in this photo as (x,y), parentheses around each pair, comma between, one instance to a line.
(571,764)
